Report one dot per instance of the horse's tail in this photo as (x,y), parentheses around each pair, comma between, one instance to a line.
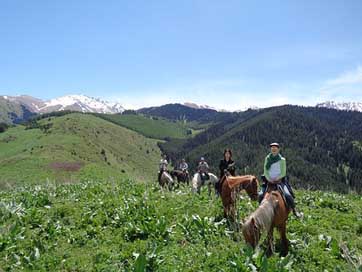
(235,181)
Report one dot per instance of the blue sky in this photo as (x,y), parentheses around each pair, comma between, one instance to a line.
(227,54)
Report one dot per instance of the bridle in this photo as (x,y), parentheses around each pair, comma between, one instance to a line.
(253,180)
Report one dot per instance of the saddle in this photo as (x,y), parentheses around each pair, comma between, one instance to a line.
(204,177)
(277,187)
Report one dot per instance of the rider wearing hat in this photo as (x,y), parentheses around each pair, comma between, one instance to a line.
(203,169)
(274,171)
(162,166)
(183,166)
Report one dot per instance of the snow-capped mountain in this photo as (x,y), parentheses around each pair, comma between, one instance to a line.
(348,106)
(196,106)
(81,103)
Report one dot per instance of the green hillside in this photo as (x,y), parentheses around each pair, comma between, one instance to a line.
(122,225)
(152,127)
(74,147)
(322,146)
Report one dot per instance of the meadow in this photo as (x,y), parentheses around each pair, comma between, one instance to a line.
(125,225)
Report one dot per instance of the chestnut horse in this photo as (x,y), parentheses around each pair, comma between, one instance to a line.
(271,213)
(228,191)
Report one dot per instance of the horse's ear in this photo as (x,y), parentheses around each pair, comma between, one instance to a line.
(253,221)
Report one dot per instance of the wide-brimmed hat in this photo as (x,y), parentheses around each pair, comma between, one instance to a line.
(274,144)
(202,159)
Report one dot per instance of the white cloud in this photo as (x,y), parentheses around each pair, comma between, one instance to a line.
(345,87)
(227,95)
(347,78)
(241,94)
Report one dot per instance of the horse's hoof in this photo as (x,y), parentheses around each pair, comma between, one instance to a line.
(283,253)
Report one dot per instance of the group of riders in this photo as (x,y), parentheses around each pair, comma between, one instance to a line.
(274,173)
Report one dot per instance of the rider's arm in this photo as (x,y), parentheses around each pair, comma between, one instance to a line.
(283,168)
(266,171)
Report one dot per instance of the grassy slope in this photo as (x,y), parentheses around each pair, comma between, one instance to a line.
(26,154)
(250,144)
(104,226)
(150,127)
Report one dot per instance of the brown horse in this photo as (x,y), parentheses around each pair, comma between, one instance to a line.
(182,176)
(271,213)
(229,194)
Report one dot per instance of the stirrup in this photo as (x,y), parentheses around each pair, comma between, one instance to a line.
(297,214)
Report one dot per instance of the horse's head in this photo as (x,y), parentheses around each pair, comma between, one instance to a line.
(251,232)
(252,188)
(226,172)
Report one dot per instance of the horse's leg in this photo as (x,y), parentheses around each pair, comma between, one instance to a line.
(225,212)
(232,212)
(198,187)
(270,243)
(284,240)
(177,184)
(209,188)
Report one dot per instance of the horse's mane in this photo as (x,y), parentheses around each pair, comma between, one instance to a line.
(233,181)
(264,214)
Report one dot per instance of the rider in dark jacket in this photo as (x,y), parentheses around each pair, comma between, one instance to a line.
(228,164)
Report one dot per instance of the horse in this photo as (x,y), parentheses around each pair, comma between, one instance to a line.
(166,180)
(182,176)
(228,192)
(271,213)
(197,182)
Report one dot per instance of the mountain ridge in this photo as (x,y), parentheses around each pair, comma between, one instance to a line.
(346,106)
(80,103)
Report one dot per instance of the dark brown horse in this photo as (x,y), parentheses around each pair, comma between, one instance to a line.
(271,213)
(229,186)
(182,176)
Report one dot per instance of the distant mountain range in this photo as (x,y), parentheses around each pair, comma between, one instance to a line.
(80,103)
(14,109)
(349,106)
(323,146)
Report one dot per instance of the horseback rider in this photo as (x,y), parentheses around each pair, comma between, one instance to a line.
(226,164)
(275,172)
(162,166)
(183,166)
(203,169)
